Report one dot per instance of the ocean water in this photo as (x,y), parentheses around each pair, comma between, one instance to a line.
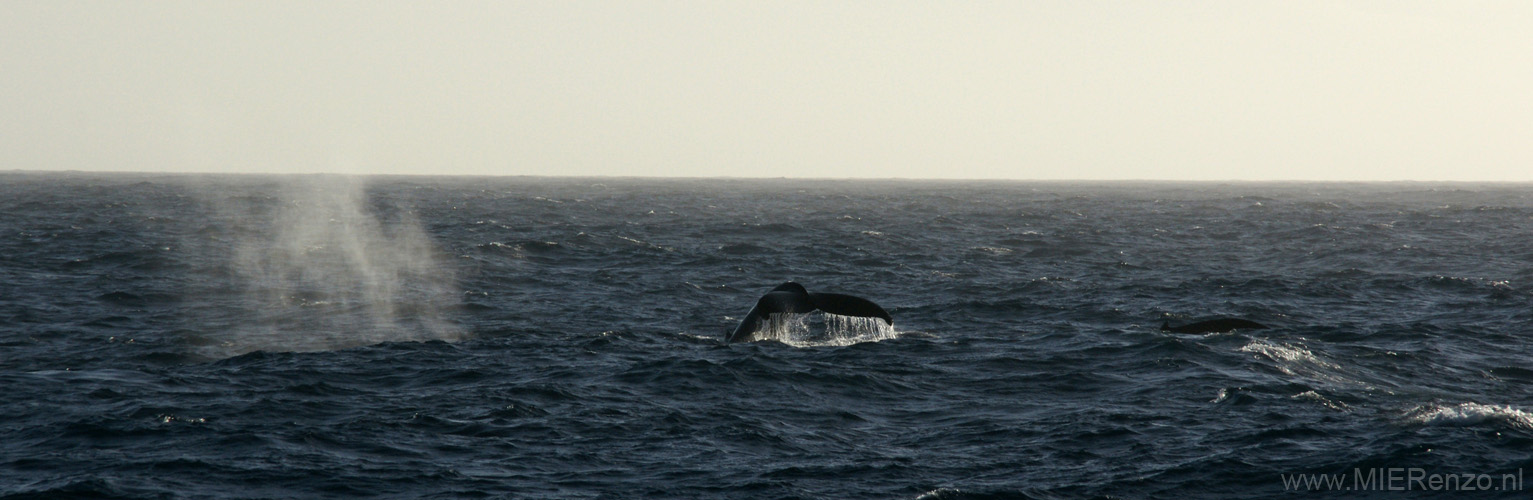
(169,337)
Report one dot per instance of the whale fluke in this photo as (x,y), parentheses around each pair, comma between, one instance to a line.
(792,298)
(1221,325)
(847,305)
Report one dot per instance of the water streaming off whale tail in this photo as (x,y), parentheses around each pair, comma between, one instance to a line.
(323,269)
(798,330)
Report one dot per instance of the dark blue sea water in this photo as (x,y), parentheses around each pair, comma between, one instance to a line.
(168,337)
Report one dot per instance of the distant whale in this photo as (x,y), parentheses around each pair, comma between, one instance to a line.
(791,297)
(1220,325)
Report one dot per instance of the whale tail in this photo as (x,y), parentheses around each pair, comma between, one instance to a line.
(847,305)
(792,298)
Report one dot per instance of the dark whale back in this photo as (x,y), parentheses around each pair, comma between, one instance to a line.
(1220,325)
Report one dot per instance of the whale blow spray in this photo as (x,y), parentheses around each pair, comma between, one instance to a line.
(325,270)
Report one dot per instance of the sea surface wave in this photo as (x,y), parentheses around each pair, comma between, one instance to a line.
(180,336)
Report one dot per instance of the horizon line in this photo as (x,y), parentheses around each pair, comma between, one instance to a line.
(776,178)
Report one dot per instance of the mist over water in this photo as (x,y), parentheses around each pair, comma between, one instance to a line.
(319,268)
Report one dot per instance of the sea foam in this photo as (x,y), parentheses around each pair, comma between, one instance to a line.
(1470,414)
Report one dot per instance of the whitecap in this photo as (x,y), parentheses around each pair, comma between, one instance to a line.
(940,493)
(1296,360)
(1324,401)
(1289,357)
(1470,414)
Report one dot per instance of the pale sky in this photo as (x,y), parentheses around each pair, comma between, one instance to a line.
(1216,90)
